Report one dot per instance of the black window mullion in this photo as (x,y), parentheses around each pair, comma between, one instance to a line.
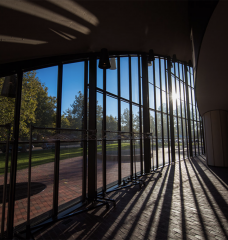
(171,110)
(131,124)
(119,121)
(57,144)
(193,122)
(188,110)
(196,115)
(85,127)
(140,114)
(168,114)
(185,110)
(177,118)
(182,131)
(104,166)
(155,117)
(162,130)
(92,145)
(13,168)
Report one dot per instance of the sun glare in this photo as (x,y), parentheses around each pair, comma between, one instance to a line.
(175,96)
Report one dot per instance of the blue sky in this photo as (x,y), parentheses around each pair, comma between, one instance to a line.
(73,82)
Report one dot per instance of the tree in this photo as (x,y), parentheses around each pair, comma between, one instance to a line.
(75,114)
(37,107)
(125,120)
(7,106)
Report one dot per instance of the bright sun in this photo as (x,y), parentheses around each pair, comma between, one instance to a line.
(175,96)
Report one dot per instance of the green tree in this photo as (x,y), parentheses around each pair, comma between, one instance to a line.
(7,106)
(75,114)
(125,120)
(37,107)
(99,121)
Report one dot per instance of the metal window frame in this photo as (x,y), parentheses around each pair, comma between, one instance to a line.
(144,118)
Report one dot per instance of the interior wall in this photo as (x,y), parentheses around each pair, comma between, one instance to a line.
(211,79)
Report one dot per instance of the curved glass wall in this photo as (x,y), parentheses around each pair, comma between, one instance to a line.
(56,101)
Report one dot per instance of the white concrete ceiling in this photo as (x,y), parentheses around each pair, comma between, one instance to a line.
(35,29)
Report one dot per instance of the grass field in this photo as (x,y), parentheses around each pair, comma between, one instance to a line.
(45,156)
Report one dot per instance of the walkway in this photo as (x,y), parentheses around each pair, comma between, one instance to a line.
(189,201)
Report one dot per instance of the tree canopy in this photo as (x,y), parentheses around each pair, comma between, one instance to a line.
(37,107)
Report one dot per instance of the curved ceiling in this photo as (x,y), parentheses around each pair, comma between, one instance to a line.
(212,82)
(35,29)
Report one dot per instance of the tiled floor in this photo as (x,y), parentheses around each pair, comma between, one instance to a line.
(189,201)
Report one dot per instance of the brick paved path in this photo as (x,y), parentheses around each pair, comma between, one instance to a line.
(70,186)
(189,201)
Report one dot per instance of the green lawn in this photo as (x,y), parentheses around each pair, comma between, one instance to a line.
(45,156)
(40,157)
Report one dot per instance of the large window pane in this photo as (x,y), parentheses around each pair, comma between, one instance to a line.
(125,159)
(73,95)
(136,156)
(125,144)
(159,125)
(160,153)
(111,162)
(99,137)
(178,107)
(39,98)
(99,76)
(151,96)
(7,106)
(111,114)
(181,71)
(135,118)
(166,150)
(164,102)
(70,173)
(183,109)
(152,123)
(135,79)
(125,117)
(190,94)
(157,75)
(165,129)
(177,89)
(163,80)
(111,79)
(38,107)
(124,77)
(150,74)
(158,99)
(193,96)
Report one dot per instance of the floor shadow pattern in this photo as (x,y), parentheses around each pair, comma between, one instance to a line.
(189,201)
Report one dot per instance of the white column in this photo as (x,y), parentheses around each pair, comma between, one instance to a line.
(216,137)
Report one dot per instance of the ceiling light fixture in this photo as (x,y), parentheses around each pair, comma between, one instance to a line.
(104,62)
(174,59)
(151,55)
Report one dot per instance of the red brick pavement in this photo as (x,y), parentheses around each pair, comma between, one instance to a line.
(189,201)
(70,185)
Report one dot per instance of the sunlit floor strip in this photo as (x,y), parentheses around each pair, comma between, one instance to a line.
(182,204)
